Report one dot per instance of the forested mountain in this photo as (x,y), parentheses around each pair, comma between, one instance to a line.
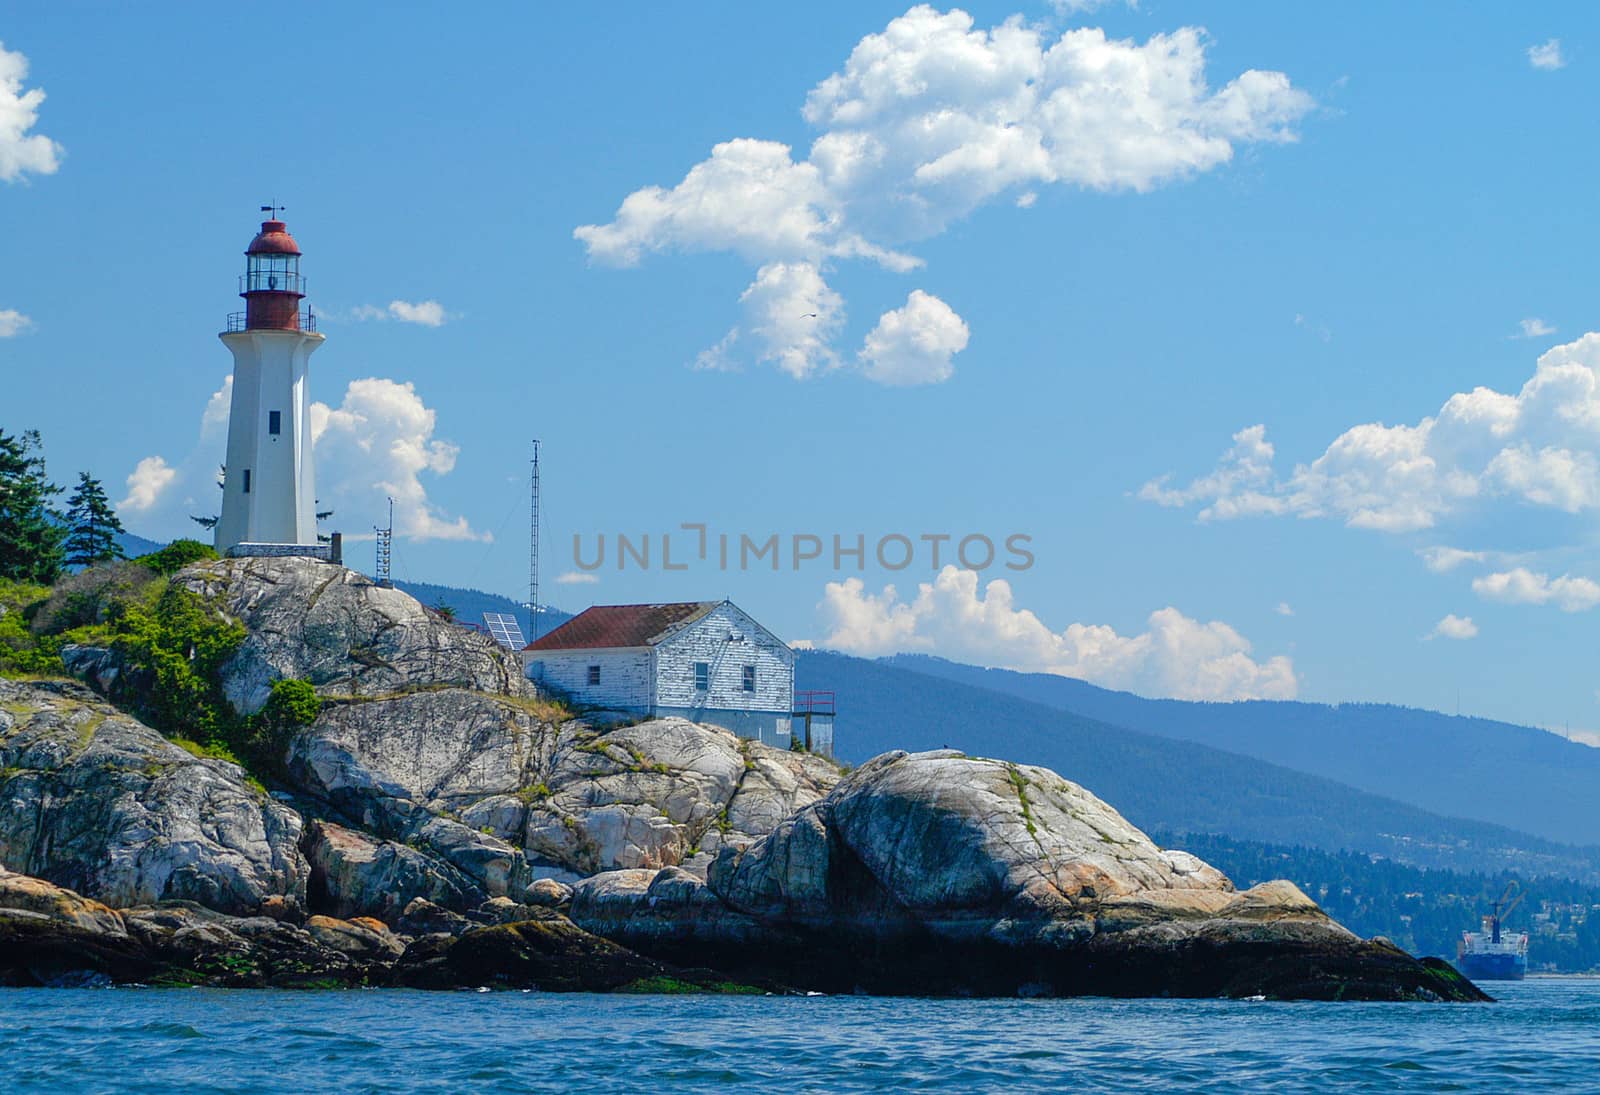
(1517,776)
(1166,784)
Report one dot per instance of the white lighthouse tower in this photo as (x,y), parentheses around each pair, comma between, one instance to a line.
(269,490)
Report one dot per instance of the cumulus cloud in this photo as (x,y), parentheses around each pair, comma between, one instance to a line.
(933,117)
(791,314)
(914,344)
(1534,327)
(1538,448)
(424,313)
(1453,627)
(1175,656)
(379,443)
(1521,586)
(214,420)
(22,153)
(577,578)
(1547,55)
(147,483)
(1284,609)
(13,323)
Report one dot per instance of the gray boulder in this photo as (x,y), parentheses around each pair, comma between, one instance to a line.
(353,874)
(937,873)
(343,632)
(94,800)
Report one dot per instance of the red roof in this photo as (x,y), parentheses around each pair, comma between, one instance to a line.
(608,626)
(273,239)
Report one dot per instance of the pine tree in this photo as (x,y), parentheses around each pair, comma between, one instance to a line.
(30,531)
(92,525)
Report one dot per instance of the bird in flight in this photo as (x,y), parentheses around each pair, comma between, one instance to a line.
(809,315)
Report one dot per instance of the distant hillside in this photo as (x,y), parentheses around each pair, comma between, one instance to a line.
(469,605)
(1515,776)
(1166,784)
(135,546)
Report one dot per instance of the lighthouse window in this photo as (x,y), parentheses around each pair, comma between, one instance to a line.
(274,421)
(247,480)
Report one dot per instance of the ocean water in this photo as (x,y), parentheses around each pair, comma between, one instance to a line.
(1544,1035)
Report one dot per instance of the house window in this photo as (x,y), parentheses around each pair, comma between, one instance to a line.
(749,678)
(594,675)
(247,480)
(702,676)
(274,422)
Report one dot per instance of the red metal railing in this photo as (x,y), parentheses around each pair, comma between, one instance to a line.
(814,701)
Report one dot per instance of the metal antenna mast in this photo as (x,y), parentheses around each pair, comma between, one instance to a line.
(533,548)
(385,543)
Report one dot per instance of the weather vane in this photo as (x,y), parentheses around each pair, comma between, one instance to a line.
(274,209)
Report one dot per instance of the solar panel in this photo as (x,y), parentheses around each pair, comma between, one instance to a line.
(505,630)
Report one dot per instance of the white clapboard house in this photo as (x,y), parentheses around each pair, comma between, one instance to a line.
(708,661)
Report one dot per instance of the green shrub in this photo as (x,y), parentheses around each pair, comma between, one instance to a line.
(96,595)
(177,555)
(293,704)
(21,651)
(181,643)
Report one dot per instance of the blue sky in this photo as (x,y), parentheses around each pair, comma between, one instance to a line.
(1069,267)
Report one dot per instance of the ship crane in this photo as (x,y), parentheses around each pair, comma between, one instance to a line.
(1502,910)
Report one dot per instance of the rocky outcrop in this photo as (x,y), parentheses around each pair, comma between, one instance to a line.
(353,874)
(343,632)
(458,814)
(940,873)
(97,801)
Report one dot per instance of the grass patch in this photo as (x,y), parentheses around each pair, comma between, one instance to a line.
(1021,784)
(672,986)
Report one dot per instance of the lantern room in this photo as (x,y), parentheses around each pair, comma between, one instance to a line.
(271,286)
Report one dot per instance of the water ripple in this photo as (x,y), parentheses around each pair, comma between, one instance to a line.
(398,1042)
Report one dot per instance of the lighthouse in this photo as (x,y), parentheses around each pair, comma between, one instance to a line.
(269,489)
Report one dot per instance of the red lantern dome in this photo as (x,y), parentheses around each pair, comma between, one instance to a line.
(272,287)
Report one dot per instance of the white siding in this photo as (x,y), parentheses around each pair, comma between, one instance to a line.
(707,640)
(624,676)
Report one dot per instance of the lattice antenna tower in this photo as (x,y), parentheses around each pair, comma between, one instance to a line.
(385,544)
(533,547)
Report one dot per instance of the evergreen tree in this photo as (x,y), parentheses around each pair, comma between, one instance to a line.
(92,525)
(30,531)
(209,523)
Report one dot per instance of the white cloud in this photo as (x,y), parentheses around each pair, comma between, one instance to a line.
(13,323)
(932,118)
(791,314)
(1176,656)
(1284,609)
(1538,448)
(1547,56)
(1534,327)
(577,578)
(1442,560)
(914,344)
(21,153)
(147,483)
(379,443)
(1521,586)
(1453,627)
(214,421)
(424,313)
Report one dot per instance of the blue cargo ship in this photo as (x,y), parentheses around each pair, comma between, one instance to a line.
(1494,954)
